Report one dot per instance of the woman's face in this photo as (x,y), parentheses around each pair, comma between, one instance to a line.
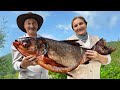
(79,26)
(31,26)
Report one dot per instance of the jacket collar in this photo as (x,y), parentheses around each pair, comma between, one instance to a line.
(91,39)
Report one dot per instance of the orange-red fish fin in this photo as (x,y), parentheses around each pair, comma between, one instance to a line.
(42,61)
(51,62)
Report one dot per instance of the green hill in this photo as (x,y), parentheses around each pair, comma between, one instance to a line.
(6,68)
(111,71)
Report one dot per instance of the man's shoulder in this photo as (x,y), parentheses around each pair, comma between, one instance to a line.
(28,36)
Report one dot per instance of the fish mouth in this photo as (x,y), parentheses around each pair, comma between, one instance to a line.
(23,50)
(16,44)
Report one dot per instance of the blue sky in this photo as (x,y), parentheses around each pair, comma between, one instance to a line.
(57,25)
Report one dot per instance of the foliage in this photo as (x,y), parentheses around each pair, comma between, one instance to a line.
(6,68)
(54,75)
(2,32)
(112,71)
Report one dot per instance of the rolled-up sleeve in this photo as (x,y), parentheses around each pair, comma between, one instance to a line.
(109,59)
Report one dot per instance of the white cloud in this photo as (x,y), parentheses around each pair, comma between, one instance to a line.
(49,36)
(44,14)
(64,27)
(90,17)
(86,14)
(113,21)
(99,19)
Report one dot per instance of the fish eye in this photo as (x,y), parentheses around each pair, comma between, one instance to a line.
(26,44)
(25,41)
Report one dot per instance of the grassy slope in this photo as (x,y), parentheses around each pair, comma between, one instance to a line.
(112,71)
(6,68)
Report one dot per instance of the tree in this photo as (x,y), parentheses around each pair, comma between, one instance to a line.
(2,31)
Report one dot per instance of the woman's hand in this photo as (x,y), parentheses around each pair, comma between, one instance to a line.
(27,61)
(92,55)
(96,56)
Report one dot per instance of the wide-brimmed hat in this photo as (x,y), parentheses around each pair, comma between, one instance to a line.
(21,19)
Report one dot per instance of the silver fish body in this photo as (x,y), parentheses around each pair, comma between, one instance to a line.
(59,56)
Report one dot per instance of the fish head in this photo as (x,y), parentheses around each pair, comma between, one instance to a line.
(42,45)
(26,46)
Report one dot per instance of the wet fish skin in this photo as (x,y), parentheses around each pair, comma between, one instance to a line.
(58,56)
(66,55)
(63,53)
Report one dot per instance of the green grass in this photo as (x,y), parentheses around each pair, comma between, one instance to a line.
(112,71)
(6,68)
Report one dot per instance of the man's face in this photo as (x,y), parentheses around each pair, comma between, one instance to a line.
(31,26)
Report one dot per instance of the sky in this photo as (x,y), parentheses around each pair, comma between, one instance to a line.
(57,25)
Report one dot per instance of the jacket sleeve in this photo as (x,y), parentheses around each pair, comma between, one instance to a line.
(109,59)
(16,59)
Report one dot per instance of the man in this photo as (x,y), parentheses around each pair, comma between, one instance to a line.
(29,23)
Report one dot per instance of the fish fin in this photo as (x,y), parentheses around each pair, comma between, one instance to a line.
(72,42)
(47,60)
(68,74)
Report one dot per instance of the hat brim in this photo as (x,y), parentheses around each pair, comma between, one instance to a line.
(23,17)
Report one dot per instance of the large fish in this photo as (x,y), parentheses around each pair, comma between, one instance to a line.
(57,56)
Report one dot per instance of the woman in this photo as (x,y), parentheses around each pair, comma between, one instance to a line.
(29,23)
(92,69)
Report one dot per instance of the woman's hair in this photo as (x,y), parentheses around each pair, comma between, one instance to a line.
(78,17)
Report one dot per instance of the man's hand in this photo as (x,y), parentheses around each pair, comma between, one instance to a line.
(27,61)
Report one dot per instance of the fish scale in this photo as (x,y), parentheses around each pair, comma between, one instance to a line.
(58,56)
